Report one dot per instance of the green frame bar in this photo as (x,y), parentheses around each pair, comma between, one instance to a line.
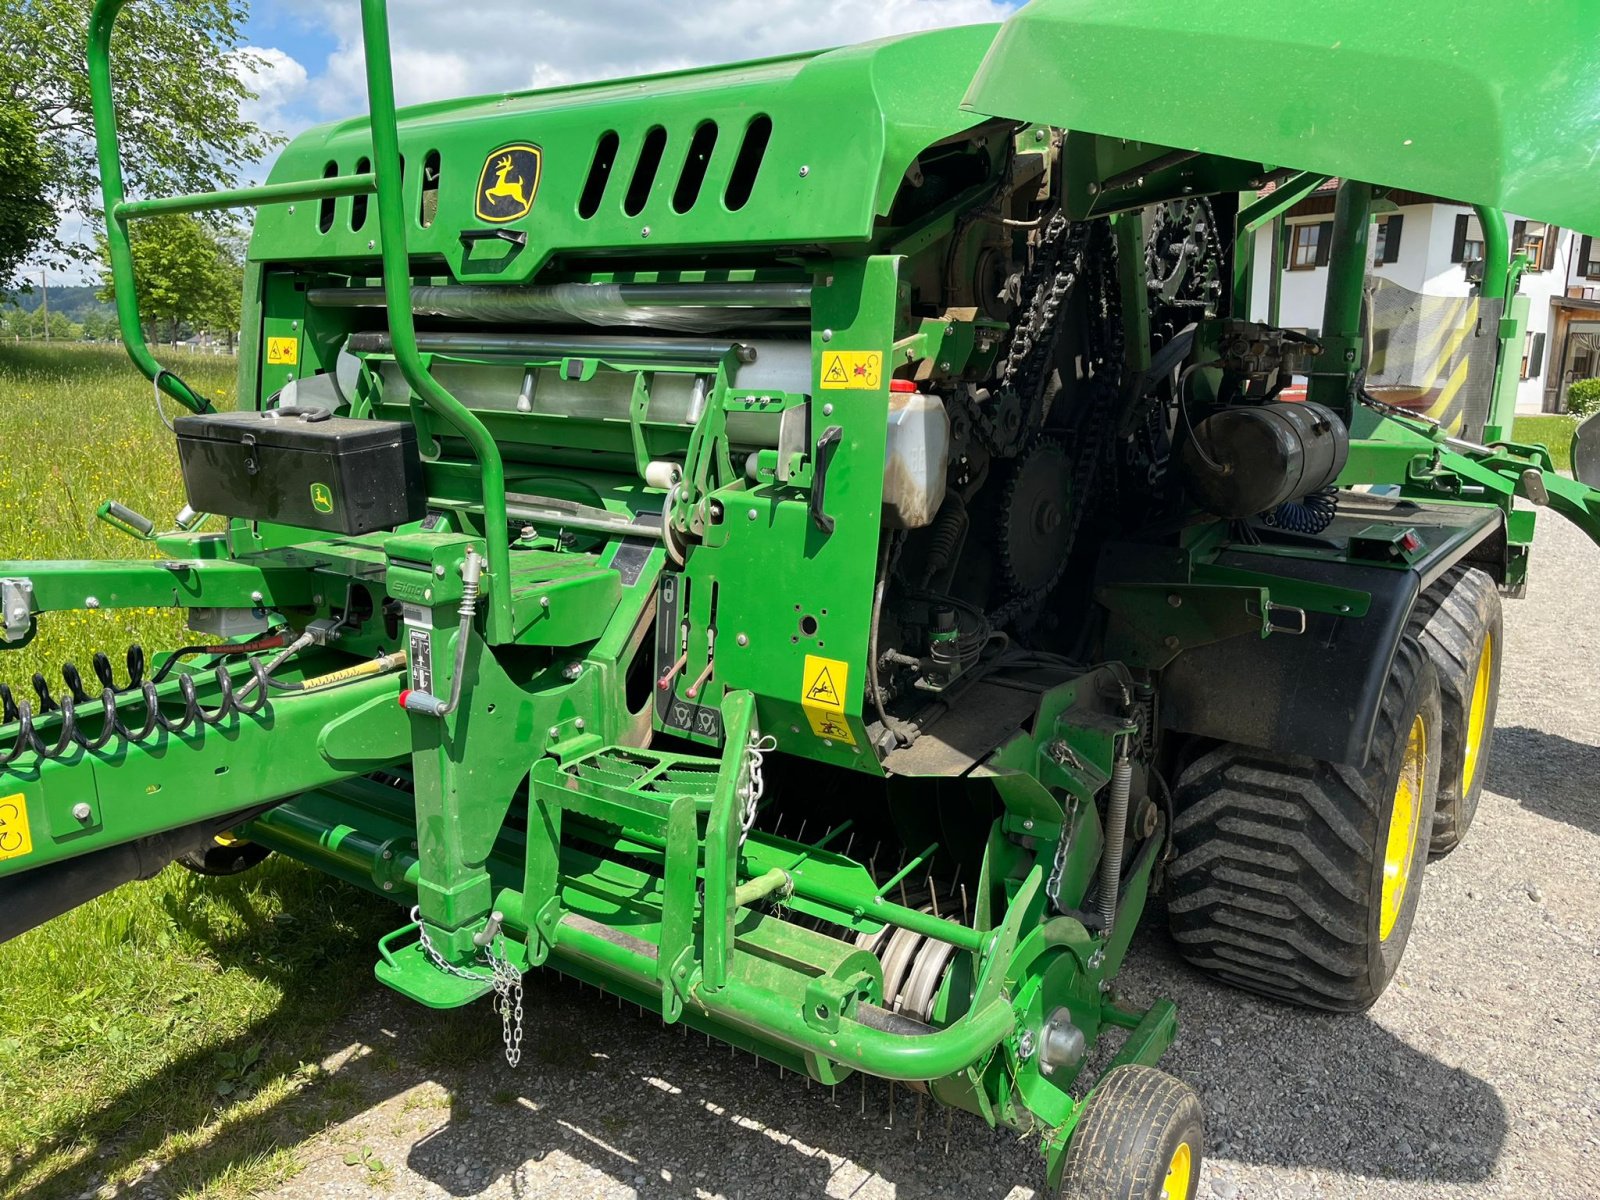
(267,193)
(402,327)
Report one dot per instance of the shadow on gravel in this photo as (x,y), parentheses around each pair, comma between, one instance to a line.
(1283,1086)
(1547,774)
(659,1111)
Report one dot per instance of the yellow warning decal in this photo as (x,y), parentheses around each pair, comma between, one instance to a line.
(823,688)
(15,838)
(283,351)
(857,370)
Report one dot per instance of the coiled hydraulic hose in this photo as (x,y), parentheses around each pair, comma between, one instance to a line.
(230,703)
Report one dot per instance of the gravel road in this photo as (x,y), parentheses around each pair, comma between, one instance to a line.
(1475,1076)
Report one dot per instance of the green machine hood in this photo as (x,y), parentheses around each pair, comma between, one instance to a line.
(841,129)
(1492,102)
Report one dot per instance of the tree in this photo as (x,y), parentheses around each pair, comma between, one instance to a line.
(179,82)
(25,214)
(185,272)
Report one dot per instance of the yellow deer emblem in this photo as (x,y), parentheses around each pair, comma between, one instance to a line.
(508,183)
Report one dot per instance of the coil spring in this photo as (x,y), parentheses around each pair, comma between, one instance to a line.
(65,707)
(1310,514)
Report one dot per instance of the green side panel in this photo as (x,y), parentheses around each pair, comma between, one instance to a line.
(1434,95)
(845,126)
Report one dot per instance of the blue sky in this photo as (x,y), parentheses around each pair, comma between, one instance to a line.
(311,48)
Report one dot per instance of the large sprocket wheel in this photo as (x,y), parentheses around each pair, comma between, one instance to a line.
(1035,518)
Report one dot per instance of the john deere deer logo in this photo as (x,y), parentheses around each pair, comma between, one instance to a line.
(509,181)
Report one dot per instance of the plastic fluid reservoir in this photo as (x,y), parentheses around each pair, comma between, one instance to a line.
(918,456)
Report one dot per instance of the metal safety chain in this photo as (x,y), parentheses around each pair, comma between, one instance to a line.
(754,784)
(503,977)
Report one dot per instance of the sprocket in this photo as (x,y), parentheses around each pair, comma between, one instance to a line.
(1034,518)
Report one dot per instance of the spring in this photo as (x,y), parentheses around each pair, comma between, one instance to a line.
(230,702)
(1310,514)
(946,535)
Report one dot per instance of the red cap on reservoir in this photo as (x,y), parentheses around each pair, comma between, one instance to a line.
(903,385)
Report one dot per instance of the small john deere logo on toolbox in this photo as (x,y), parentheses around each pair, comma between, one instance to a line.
(509,182)
(322,497)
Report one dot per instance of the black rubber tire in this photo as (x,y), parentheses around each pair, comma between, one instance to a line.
(1122,1148)
(1277,886)
(1462,618)
(224,858)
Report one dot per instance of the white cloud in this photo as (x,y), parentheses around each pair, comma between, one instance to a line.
(279,82)
(445,50)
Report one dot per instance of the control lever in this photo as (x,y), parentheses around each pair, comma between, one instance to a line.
(827,444)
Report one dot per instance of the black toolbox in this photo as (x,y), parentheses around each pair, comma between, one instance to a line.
(303,467)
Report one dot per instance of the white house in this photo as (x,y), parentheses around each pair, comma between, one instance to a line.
(1428,245)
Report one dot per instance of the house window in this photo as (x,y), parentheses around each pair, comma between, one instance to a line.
(1386,240)
(1589,259)
(1309,245)
(1536,240)
(1468,244)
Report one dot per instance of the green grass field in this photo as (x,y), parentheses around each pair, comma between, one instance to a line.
(175,1025)
(1554,432)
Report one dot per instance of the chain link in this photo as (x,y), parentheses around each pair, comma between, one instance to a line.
(503,977)
(754,782)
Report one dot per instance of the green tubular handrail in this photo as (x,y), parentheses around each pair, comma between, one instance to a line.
(402,328)
(119,210)
(384,180)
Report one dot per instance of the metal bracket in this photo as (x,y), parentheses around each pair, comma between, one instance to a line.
(16,609)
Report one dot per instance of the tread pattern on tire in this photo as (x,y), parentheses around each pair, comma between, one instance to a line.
(1120,1150)
(1271,889)
(1455,613)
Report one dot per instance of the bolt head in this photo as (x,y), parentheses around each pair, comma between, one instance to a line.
(743,639)
(572,670)
(752,514)
(827,335)
(827,410)
(1171,642)
(555,732)
(578,724)
(372,245)
(804,171)
(645,232)
(388,885)
(1027,822)
(82,812)
(438,571)
(91,602)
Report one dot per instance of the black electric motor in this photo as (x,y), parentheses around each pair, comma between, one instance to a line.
(1249,460)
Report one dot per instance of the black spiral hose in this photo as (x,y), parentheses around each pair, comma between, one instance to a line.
(1309,515)
(112,727)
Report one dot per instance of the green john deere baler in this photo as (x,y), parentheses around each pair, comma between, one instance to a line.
(810,546)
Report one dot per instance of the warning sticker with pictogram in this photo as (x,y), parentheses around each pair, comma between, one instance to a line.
(823,689)
(858,370)
(283,351)
(16,841)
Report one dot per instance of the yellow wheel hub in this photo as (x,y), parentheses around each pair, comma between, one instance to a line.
(1404,816)
(1180,1171)
(1478,715)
